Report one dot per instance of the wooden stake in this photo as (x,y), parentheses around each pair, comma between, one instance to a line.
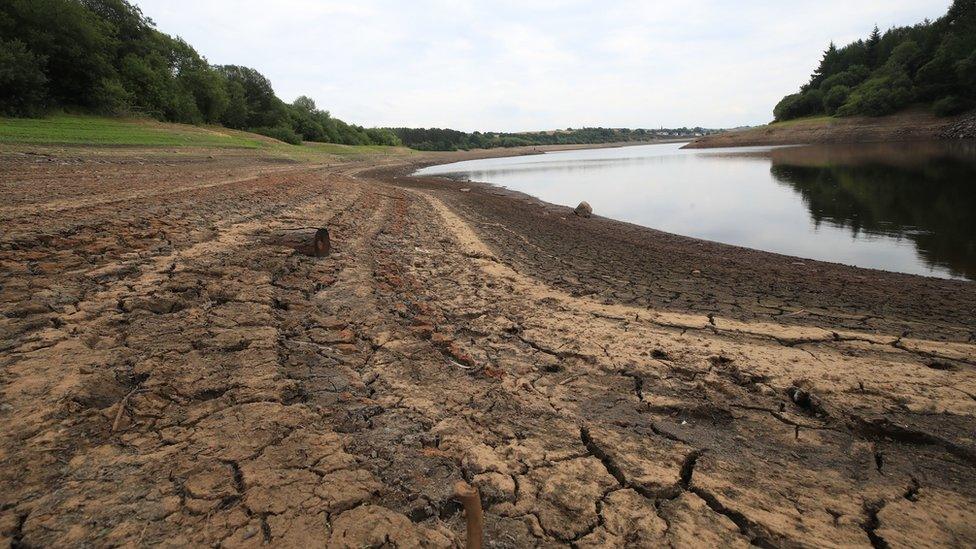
(471,500)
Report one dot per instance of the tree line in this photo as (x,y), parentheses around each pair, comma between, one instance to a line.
(437,139)
(932,63)
(106,57)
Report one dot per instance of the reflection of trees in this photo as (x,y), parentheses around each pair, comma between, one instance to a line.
(932,204)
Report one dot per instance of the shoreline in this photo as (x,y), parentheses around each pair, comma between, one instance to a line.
(177,369)
(913,125)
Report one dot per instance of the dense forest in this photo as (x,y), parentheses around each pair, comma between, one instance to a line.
(932,64)
(435,139)
(106,57)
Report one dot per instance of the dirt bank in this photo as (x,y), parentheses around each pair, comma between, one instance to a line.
(175,372)
(907,126)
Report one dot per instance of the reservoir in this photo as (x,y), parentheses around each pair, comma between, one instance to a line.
(905,207)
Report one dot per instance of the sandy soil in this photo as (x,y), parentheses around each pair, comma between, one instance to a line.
(174,371)
(906,126)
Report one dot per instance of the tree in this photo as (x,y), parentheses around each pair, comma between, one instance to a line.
(264,109)
(828,65)
(873,43)
(75,43)
(23,86)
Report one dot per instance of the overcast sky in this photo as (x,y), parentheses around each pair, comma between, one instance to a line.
(512,65)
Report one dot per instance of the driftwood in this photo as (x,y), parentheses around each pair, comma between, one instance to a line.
(471,500)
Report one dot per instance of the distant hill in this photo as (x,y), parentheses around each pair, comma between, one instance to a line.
(932,63)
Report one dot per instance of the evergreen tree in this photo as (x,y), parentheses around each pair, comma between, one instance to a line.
(828,64)
(873,44)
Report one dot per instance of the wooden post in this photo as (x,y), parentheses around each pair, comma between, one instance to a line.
(471,500)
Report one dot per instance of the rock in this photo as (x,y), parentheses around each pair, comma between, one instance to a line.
(584,209)
(962,129)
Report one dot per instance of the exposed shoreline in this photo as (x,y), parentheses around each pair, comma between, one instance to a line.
(175,369)
(635,253)
(917,125)
(460,181)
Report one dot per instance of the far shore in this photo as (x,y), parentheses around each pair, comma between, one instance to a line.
(914,125)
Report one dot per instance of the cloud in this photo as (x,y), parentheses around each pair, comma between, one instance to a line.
(520,65)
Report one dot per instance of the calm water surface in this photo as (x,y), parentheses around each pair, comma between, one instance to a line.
(900,207)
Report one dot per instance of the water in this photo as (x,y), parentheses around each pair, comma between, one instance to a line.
(907,207)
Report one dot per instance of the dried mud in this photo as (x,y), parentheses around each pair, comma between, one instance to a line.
(177,370)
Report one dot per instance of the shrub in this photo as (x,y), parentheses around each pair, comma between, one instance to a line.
(879,96)
(948,106)
(836,97)
(799,105)
(280,133)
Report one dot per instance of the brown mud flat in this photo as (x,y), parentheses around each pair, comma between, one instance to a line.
(174,372)
(915,125)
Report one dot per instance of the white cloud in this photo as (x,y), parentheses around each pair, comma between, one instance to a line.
(518,65)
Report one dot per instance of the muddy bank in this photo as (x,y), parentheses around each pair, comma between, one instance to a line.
(633,265)
(907,126)
(175,371)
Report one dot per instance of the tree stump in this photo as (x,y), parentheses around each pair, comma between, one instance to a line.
(322,244)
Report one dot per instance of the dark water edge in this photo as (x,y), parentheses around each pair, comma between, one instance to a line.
(922,192)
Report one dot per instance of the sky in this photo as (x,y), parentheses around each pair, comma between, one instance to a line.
(517,65)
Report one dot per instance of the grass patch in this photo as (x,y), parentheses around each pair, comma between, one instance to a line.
(95,130)
(347,150)
(810,120)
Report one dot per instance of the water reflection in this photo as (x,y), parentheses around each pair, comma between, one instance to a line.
(925,193)
(901,207)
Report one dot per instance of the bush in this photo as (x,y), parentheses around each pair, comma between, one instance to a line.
(966,73)
(879,96)
(280,133)
(799,105)
(948,106)
(835,98)
(22,81)
(850,78)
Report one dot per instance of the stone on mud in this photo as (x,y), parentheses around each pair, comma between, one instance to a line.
(584,209)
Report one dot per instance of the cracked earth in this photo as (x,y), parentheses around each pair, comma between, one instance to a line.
(176,369)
